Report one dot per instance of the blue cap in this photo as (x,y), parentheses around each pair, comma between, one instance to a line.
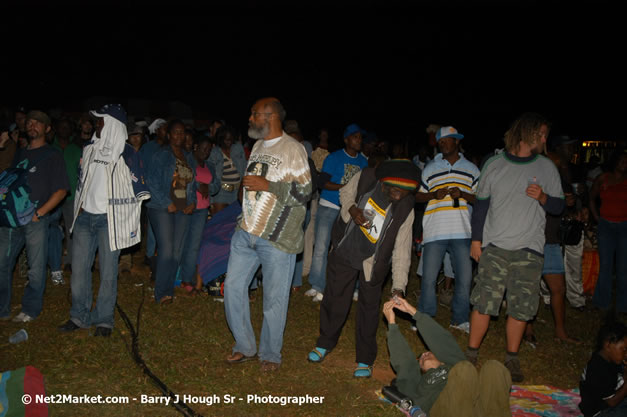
(352,129)
(114,110)
(448,132)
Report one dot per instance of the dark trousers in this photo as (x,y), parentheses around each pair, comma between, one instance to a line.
(336,304)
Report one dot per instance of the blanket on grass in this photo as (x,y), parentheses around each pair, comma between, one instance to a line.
(213,254)
(535,400)
(18,391)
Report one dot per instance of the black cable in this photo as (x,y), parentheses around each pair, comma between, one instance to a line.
(180,406)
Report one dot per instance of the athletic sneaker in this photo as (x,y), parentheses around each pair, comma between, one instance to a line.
(22,318)
(318,297)
(513,366)
(464,327)
(311,292)
(57,277)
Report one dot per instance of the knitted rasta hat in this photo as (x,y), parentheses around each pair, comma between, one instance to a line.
(401,173)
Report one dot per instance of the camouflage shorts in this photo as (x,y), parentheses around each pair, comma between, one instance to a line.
(515,273)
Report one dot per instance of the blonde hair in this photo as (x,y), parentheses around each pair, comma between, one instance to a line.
(524,129)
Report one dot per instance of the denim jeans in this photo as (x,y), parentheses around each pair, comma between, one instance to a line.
(612,248)
(170,230)
(448,266)
(68,217)
(195,227)
(151,242)
(297,279)
(35,236)
(433,254)
(247,253)
(55,240)
(91,234)
(325,218)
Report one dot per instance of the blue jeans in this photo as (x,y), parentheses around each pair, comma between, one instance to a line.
(35,236)
(170,230)
(195,227)
(324,223)
(55,240)
(612,248)
(297,279)
(247,253)
(433,254)
(91,234)
(151,242)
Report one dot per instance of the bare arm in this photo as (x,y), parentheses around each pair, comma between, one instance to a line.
(52,202)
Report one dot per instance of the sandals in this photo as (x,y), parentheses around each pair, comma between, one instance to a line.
(363,371)
(165,300)
(238,357)
(318,354)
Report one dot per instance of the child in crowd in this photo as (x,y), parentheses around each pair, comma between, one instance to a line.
(602,384)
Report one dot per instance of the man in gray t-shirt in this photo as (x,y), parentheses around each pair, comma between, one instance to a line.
(516,190)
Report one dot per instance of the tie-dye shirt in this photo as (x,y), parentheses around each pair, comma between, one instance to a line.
(277,215)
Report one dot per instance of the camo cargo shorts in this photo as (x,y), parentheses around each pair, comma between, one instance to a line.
(515,273)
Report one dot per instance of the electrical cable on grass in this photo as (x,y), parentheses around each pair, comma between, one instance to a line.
(180,406)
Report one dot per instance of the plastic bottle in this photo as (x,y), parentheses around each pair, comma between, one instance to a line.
(19,337)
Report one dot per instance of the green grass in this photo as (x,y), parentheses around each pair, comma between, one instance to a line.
(185,345)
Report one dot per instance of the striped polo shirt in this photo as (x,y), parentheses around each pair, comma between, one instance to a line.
(441,219)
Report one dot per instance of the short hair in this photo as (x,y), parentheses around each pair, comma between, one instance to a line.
(200,139)
(222,132)
(611,332)
(524,129)
(277,108)
(175,122)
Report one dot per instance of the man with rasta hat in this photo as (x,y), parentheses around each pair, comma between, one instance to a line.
(374,230)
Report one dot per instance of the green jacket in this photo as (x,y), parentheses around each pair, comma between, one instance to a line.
(441,342)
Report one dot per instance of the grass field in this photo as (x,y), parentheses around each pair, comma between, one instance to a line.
(184,344)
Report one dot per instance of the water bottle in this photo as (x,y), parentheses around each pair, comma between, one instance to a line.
(18,337)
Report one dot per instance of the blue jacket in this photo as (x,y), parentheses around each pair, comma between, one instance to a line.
(159,178)
(216,159)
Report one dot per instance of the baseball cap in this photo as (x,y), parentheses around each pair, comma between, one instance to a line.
(39,116)
(114,110)
(352,129)
(134,129)
(448,132)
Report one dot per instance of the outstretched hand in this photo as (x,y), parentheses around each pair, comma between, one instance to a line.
(388,311)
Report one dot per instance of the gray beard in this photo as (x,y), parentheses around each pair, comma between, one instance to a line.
(258,133)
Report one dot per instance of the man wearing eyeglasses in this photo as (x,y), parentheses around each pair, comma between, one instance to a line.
(269,233)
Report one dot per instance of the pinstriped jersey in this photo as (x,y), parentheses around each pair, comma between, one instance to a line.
(444,219)
(125,191)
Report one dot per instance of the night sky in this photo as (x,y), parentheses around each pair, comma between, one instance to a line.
(391,70)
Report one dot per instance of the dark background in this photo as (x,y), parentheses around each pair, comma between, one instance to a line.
(391,69)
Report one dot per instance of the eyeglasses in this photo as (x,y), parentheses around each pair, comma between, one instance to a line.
(255,114)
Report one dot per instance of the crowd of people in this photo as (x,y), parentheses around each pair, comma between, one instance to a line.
(500,226)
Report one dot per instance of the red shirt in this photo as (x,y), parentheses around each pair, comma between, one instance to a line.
(614,201)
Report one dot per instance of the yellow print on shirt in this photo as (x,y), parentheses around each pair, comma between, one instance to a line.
(375,223)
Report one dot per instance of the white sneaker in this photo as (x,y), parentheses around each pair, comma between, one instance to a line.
(318,297)
(57,277)
(356,295)
(22,318)
(464,327)
(311,292)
